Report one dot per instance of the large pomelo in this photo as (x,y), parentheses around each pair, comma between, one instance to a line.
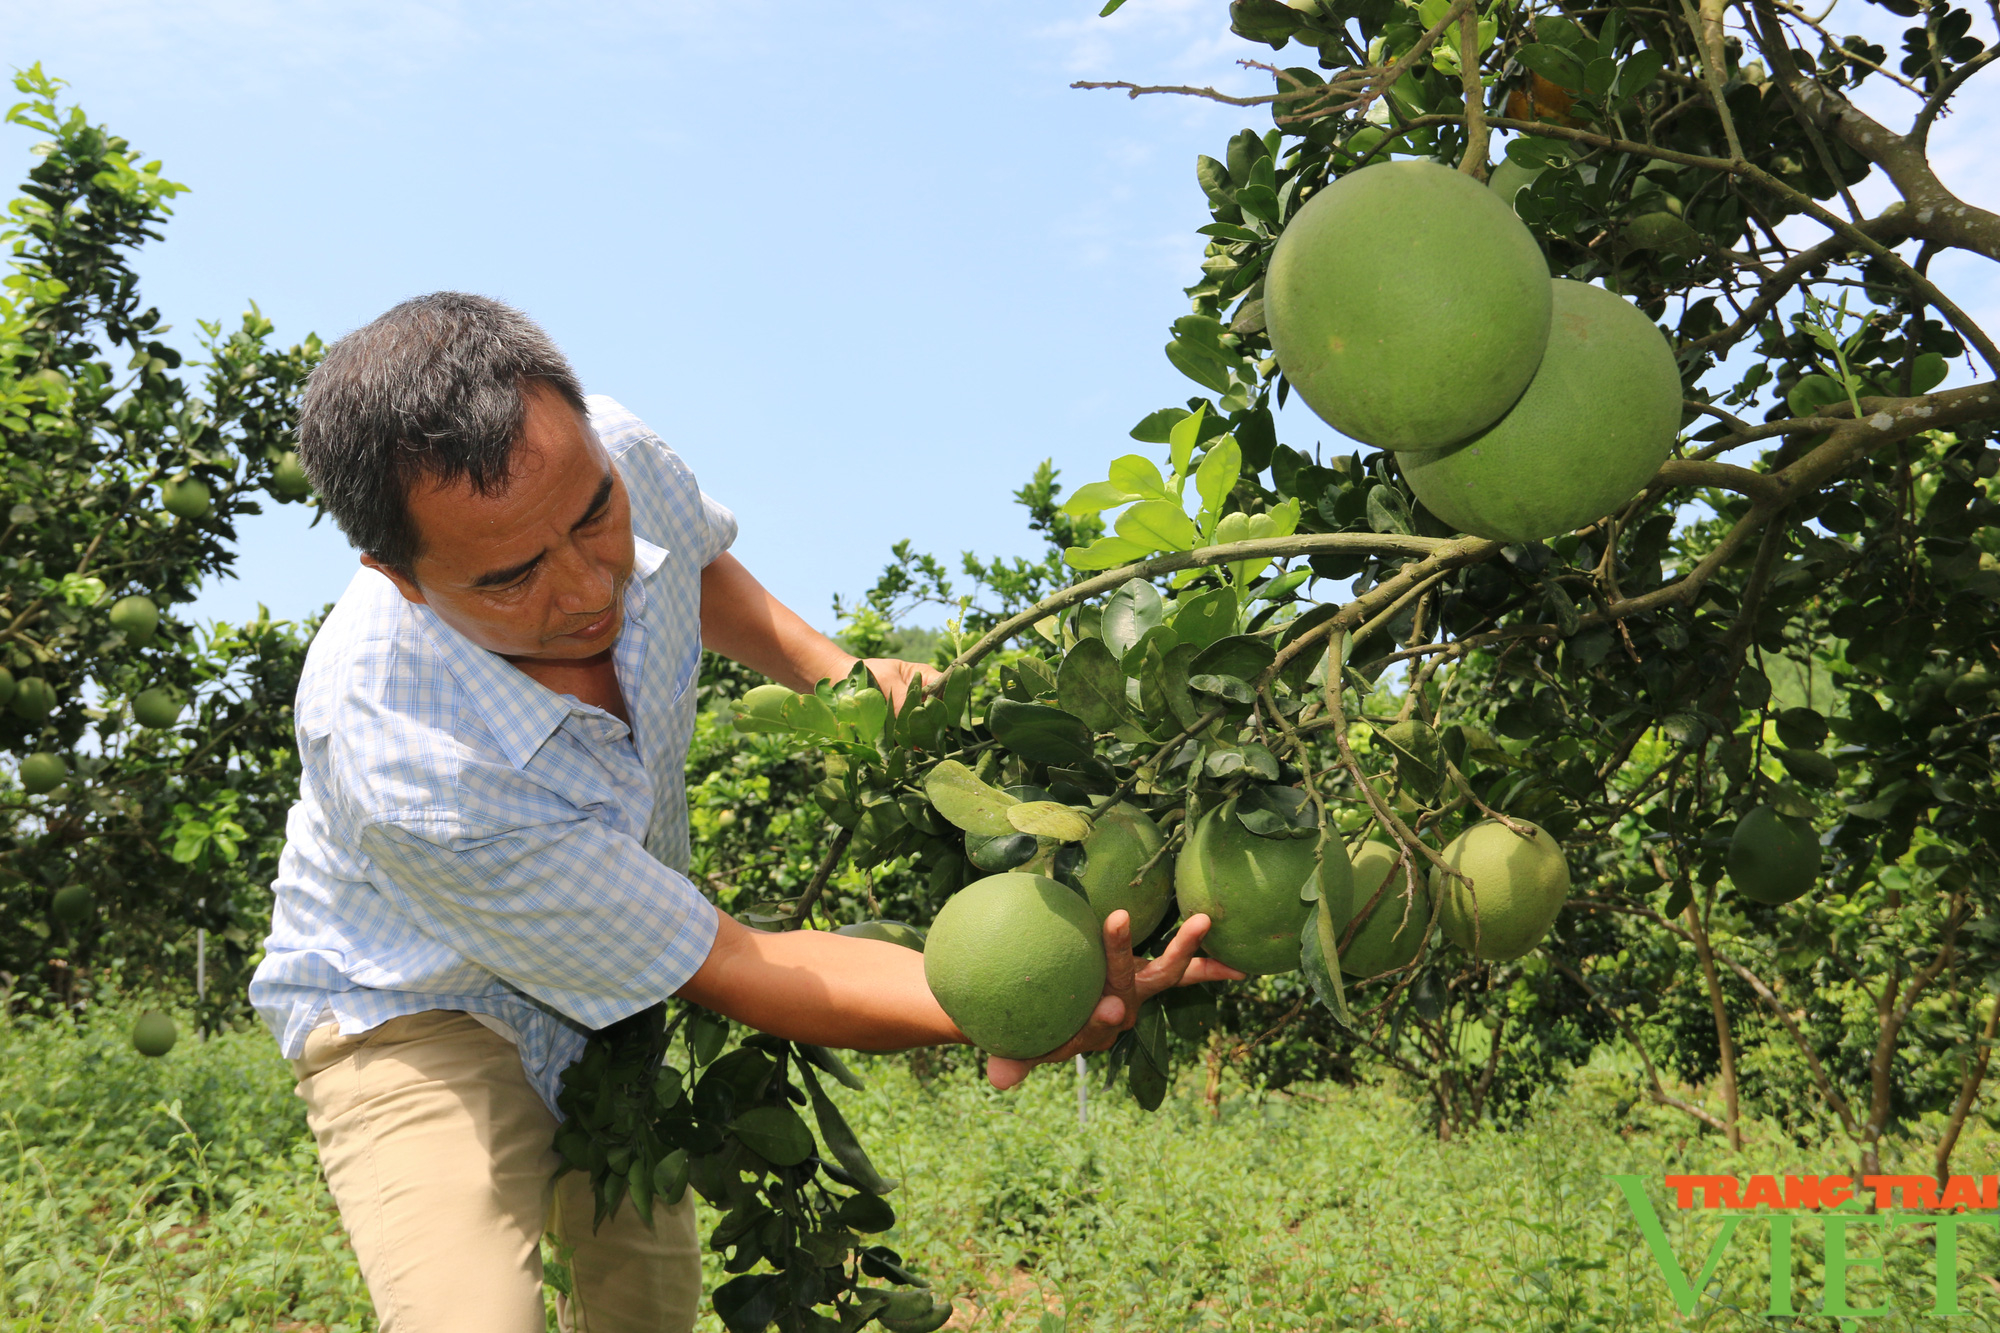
(1249,887)
(1407,305)
(1384,941)
(1018,962)
(1122,841)
(1773,858)
(1596,422)
(1519,884)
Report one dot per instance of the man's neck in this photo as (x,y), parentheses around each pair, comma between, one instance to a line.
(593,679)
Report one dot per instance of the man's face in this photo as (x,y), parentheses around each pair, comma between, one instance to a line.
(538,571)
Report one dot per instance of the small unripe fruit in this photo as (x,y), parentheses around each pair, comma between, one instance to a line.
(34,699)
(136,618)
(186,497)
(157,707)
(154,1033)
(42,772)
(73,905)
(288,478)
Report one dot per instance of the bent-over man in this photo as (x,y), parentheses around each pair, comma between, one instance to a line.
(486,859)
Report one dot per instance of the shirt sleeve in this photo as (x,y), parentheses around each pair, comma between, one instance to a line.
(718,529)
(572,913)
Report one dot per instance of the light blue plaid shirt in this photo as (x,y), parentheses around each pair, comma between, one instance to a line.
(466,838)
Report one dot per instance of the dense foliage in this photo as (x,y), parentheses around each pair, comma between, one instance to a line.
(151,760)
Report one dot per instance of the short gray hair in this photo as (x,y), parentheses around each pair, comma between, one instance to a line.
(435,389)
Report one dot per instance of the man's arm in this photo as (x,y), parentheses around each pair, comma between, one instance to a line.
(836,990)
(742,621)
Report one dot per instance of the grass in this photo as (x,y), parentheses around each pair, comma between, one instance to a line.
(182,1193)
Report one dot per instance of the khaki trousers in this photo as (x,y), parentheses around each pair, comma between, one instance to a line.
(439,1155)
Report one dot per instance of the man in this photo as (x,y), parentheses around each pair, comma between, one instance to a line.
(485,861)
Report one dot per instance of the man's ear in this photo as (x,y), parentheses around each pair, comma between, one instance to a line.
(404,583)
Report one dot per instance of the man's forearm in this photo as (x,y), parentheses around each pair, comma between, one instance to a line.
(742,621)
(818,987)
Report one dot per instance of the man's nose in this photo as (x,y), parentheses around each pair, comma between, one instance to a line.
(586,584)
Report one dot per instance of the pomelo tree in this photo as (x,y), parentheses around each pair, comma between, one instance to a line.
(1782,623)
(149,763)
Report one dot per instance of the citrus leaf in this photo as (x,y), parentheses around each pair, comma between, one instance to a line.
(957,793)
(1049,819)
(1104,553)
(1140,476)
(1204,617)
(1157,525)
(774,1133)
(1095,496)
(1039,733)
(1129,613)
(1091,684)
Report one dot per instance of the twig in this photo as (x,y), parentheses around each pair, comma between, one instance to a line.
(804,907)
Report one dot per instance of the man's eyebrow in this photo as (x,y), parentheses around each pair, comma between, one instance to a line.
(497,578)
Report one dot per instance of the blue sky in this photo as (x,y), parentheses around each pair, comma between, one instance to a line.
(862,265)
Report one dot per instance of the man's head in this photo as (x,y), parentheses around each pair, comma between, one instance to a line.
(449,441)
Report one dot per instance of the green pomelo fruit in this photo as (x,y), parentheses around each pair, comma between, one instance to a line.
(1510,178)
(34,699)
(1519,884)
(288,478)
(136,618)
(157,707)
(889,932)
(1017,961)
(1592,429)
(73,904)
(1660,231)
(1377,946)
(1407,305)
(1122,841)
(188,497)
(1249,887)
(42,772)
(154,1033)
(1773,858)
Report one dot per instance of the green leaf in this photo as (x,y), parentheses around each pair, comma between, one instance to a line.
(1753,688)
(1153,428)
(1216,478)
(1157,525)
(1554,64)
(1182,438)
(957,793)
(1324,978)
(822,1058)
(1277,812)
(1039,733)
(841,1139)
(1213,178)
(1639,70)
(1110,8)
(1241,655)
(1160,637)
(867,1213)
(1091,684)
(1105,553)
(749,1303)
(1094,497)
(1202,618)
(1129,613)
(762,709)
(1802,727)
(1140,476)
(1233,688)
(1193,361)
(1049,819)
(1809,767)
(670,1176)
(774,1133)
(1163,687)
(1419,762)
(1389,512)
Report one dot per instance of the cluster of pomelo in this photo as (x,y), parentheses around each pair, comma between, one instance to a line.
(1412,310)
(1017,959)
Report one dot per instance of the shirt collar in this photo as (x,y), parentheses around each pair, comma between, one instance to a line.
(521,713)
